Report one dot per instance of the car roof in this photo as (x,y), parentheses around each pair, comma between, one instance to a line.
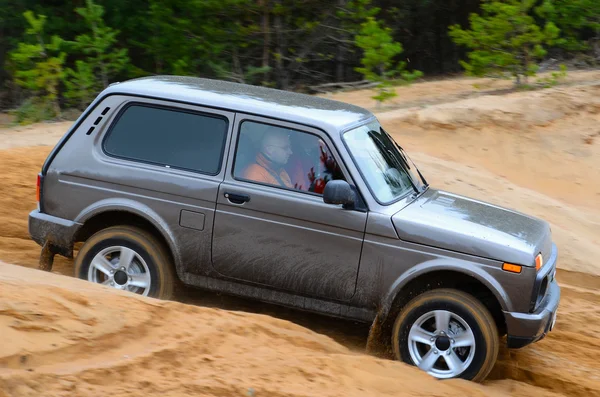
(286,105)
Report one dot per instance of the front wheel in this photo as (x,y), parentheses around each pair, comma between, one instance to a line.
(129,259)
(448,334)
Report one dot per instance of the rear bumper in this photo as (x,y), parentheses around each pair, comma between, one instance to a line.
(56,233)
(526,328)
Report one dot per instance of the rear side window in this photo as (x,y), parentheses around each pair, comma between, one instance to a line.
(168,137)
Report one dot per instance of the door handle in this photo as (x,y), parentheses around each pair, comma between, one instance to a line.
(237,198)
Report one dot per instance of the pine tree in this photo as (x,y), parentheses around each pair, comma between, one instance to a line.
(505,39)
(81,85)
(377,62)
(572,17)
(350,15)
(39,65)
(99,45)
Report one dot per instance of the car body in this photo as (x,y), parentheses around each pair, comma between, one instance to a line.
(361,246)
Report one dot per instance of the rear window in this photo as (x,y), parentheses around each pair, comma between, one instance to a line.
(168,137)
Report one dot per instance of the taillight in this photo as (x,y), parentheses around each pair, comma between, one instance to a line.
(38,186)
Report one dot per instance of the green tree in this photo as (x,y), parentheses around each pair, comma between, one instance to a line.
(302,33)
(39,65)
(290,44)
(81,84)
(573,18)
(505,39)
(379,51)
(165,42)
(99,45)
(422,28)
(193,37)
(350,15)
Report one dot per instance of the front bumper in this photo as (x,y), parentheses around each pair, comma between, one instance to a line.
(526,328)
(52,232)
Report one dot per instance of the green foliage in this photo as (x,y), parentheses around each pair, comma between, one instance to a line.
(39,66)
(81,85)
(357,11)
(99,46)
(255,75)
(191,37)
(287,44)
(572,17)
(505,39)
(379,51)
(555,77)
(34,110)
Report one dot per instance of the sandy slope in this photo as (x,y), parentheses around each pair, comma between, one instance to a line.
(536,152)
(46,134)
(448,90)
(62,336)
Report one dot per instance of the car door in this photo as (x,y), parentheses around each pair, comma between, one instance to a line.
(268,231)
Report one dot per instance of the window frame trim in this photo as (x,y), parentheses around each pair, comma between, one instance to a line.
(241,118)
(129,104)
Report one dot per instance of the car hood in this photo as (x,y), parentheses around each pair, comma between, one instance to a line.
(457,223)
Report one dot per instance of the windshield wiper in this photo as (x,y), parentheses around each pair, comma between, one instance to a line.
(404,156)
(425,183)
(389,155)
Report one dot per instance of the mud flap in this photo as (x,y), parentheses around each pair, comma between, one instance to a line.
(46,257)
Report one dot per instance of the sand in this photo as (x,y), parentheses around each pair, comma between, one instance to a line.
(533,151)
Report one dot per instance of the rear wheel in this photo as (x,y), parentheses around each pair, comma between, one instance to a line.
(129,259)
(448,334)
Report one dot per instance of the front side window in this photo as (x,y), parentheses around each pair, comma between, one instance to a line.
(382,164)
(174,138)
(285,158)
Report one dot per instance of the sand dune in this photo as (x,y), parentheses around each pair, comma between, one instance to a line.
(538,152)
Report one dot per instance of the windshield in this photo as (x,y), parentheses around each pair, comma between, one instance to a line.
(383,165)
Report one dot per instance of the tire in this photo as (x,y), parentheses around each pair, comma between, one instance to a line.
(149,272)
(436,349)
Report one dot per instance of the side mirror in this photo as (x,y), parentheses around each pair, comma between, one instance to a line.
(339,192)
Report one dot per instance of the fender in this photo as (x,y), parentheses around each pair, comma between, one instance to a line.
(376,342)
(467,268)
(136,208)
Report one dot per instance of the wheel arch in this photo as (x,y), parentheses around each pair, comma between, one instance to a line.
(461,275)
(113,212)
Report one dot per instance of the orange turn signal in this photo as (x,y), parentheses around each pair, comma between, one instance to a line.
(509,267)
(539,262)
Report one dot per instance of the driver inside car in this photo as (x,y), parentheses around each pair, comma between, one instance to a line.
(275,151)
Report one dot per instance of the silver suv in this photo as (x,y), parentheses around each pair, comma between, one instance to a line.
(298,201)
